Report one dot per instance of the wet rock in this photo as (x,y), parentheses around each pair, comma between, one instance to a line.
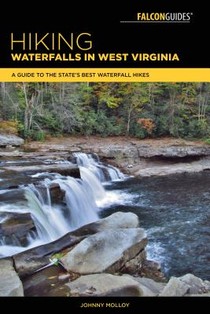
(57,195)
(15,227)
(134,265)
(16,223)
(48,282)
(10,284)
(30,261)
(152,270)
(63,169)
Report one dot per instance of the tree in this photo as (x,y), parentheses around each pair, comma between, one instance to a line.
(136,109)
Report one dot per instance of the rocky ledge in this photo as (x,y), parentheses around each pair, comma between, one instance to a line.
(149,157)
(9,140)
(104,258)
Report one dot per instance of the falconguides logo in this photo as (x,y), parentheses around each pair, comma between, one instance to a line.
(168,17)
(162,17)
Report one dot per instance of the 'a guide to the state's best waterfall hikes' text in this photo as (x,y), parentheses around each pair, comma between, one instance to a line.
(93,95)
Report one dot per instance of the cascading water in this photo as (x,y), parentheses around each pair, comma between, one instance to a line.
(46,218)
(103,172)
(79,204)
(174,211)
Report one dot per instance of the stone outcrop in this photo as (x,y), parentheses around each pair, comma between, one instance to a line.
(118,220)
(173,151)
(186,285)
(63,169)
(195,284)
(175,288)
(10,283)
(162,170)
(104,258)
(113,221)
(32,260)
(15,226)
(106,251)
(10,140)
(101,285)
(149,286)
(157,158)
(138,157)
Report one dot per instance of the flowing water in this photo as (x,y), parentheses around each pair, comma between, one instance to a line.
(174,210)
(53,217)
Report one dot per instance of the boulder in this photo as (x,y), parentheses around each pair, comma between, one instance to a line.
(118,220)
(99,285)
(196,284)
(32,260)
(149,287)
(15,227)
(106,251)
(10,140)
(10,283)
(175,288)
(114,221)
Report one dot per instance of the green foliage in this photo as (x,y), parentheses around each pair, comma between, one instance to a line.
(105,109)
(198,129)
(139,132)
(39,136)
(55,259)
(207,141)
(50,122)
(98,123)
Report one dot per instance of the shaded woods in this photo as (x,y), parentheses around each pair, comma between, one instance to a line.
(35,110)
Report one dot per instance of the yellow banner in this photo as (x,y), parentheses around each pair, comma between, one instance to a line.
(104,75)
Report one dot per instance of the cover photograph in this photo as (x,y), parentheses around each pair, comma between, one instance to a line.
(105,155)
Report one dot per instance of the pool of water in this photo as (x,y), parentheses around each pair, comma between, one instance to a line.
(175,211)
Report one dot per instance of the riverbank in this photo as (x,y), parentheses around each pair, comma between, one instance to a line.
(148,157)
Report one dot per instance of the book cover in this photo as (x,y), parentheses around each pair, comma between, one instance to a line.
(104,155)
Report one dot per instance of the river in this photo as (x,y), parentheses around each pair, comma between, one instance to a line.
(174,210)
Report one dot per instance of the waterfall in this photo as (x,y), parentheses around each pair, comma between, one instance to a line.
(103,172)
(47,219)
(79,204)
(53,221)
(80,197)
(93,185)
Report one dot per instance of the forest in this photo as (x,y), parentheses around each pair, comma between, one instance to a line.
(37,110)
